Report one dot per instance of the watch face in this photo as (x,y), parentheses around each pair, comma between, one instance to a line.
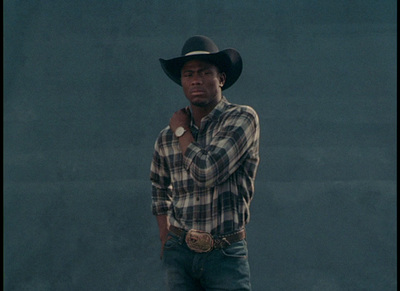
(179,131)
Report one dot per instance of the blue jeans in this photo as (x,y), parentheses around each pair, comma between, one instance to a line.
(222,269)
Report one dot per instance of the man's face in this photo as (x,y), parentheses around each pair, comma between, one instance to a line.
(202,83)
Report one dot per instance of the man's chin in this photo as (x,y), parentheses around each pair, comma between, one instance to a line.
(203,101)
(199,104)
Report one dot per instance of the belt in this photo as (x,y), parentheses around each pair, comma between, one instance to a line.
(203,242)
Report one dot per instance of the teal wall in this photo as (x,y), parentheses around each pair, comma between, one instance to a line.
(85,98)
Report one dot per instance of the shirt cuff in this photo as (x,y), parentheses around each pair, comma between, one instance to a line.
(161,208)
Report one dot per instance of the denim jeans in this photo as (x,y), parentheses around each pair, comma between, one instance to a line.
(221,269)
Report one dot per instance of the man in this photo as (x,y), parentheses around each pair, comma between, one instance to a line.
(203,172)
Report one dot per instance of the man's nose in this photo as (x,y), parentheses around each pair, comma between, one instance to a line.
(197,79)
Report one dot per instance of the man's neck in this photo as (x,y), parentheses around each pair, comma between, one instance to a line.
(199,112)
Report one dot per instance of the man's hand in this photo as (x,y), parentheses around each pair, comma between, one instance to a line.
(163,226)
(180,118)
(164,235)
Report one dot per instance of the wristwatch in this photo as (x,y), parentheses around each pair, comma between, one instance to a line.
(180,131)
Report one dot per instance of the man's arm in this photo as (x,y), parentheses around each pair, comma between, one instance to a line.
(161,192)
(236,139)
(163,227)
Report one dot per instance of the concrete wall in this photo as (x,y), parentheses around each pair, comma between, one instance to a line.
(85,98)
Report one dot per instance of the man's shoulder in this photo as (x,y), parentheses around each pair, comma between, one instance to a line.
(233,109)
(165,131)
(165,136)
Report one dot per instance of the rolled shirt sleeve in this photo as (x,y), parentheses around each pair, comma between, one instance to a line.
(161,200)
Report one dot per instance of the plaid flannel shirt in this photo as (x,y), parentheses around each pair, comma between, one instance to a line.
(210,187)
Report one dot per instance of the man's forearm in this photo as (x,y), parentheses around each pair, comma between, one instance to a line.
(163,227)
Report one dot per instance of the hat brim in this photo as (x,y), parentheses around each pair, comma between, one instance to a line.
(228,61)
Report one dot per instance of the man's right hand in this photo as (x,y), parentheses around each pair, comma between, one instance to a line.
(180,118)
(163,226)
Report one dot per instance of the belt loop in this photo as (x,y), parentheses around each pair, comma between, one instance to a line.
(226,241)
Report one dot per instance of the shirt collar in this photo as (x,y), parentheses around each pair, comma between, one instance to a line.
(218,109)
(216,112)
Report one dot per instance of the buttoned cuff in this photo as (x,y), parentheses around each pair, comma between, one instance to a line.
(161,208)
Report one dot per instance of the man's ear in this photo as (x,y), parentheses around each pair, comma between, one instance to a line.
(222,79)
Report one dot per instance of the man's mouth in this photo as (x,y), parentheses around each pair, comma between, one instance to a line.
(196,91)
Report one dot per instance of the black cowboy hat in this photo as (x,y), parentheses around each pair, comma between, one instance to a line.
(203,48)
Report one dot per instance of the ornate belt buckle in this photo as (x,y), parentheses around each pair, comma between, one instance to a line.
(199,241)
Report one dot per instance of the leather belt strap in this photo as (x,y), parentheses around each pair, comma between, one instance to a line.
(218,242)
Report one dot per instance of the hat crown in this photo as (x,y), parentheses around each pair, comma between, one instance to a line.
(199,43)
